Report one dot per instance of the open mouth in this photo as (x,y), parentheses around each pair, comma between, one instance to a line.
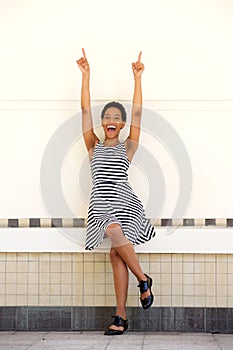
(111,128)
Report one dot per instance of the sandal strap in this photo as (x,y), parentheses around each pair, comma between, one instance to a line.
(119,321)
(143,286)
(147,302)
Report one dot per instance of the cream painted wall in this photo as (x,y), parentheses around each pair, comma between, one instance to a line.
(27,130)
(188,53)
(187,48)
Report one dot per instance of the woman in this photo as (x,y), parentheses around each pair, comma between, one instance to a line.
(115,211)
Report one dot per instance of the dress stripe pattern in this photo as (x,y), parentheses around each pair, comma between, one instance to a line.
(113,200)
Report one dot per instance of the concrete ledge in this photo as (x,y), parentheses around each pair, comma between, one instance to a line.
(167,240)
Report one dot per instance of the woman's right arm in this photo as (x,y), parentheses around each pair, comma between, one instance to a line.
(87,126)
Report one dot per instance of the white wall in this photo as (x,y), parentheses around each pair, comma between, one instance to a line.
(187,48)
(187,51)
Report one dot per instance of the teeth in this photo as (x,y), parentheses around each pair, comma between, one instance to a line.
(111,127)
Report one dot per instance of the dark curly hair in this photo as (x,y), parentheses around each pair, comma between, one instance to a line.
(116,105)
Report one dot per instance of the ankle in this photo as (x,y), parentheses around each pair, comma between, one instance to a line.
(122,314)
(142,277)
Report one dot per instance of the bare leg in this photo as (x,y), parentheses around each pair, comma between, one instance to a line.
(121,277)
(122,254)
(126,251)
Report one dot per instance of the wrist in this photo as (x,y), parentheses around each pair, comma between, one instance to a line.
(137,79)
(86,75)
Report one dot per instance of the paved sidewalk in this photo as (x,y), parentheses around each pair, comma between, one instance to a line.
(128,341)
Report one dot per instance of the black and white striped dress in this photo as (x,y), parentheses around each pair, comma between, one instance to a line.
(113,200)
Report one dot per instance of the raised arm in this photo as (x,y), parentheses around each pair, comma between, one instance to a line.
(87,126)
(133,139)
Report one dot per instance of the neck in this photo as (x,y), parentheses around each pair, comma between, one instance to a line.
(111,142)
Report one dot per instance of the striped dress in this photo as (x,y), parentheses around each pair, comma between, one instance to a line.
(112,199)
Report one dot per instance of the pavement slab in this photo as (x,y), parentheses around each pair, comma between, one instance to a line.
(129,341)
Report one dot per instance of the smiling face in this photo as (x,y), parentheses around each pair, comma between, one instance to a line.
(112,123)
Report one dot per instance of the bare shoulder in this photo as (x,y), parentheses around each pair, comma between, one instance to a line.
(131,147)
(90,139)
(89,135)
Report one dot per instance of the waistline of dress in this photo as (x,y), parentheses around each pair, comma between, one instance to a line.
(110,181)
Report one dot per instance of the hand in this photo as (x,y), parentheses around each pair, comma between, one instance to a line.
(138,67)
(83,63)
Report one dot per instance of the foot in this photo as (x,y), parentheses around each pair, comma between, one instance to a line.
(118,327)
(147,297)
(147,293)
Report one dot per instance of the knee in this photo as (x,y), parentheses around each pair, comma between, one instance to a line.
(115,234)
(114,256)
(114,225)
(113,228)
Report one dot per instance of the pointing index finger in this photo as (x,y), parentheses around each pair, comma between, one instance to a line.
(139,56)
(84,54)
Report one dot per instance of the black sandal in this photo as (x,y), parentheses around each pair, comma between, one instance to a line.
(119,322)
(144,286)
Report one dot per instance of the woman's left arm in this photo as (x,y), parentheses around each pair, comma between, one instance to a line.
(131,142)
